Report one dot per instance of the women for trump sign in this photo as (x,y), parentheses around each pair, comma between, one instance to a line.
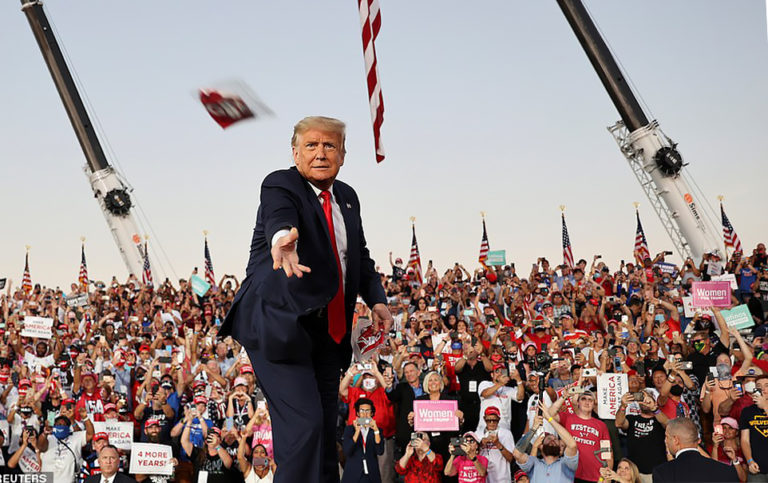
(435,416)
(711,294)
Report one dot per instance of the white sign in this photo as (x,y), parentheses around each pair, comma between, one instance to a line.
(727,277)
(151,459)
(39,327)
(28,461)
(120,432)
(77,300)
(689,310)
(714,268)
(610,388)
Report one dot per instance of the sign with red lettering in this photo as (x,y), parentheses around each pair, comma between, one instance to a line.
(610,388)
(231,102)
(435,415)
(39,327)
(151,459)
(120,432)
(708,294)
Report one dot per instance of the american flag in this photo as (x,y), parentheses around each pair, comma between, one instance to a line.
(483,247)
(26,280)
(370,21)
(83,277)
(641,244)
(208,265)
(567,253)
(146,276)
(729,234)
(415,260)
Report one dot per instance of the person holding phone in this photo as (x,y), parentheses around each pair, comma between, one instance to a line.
(499,393)
(261,468)
(212,458)
(362,444)
(645,432)
(419,464)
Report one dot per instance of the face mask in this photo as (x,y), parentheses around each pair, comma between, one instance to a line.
(369,384)
(676,390)
(61,431)
(26,411)
(659,318)
(679,310)
(699,345)
(749,386)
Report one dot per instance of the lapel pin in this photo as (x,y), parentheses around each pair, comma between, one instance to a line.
(349,206)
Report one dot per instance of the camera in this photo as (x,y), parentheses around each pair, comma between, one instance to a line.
(457,449)
(592,372)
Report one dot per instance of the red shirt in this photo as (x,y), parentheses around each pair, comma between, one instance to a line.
(421,471)
(546,339)
(450,370)
(92,403)
(670,408)
(588,433)
(385,413)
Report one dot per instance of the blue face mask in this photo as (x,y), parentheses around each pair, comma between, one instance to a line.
(61,431)
(659,318)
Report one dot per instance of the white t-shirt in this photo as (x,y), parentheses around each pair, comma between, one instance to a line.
(16,429)
(35,363)
(530,412)
(253,478)
(60,460)
(498,466)
(502,399)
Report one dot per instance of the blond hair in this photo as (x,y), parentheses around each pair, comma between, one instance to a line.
(323,123)
(425,383)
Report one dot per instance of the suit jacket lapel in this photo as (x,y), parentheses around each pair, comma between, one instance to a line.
(315,204)
(349,220)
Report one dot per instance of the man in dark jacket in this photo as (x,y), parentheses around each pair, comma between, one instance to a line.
(682,440)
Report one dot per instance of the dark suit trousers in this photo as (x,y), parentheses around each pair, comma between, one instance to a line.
(302,400)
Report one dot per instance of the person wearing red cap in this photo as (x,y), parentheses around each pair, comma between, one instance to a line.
(521,477)
(496,444)
(500,393)
(91,399)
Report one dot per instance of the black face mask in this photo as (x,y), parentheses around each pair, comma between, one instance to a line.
(26,411)
(676,390)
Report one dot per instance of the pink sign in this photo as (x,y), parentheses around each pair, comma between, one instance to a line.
(435,415)
(707,294)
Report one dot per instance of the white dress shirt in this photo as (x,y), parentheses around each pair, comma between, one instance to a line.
(339,229)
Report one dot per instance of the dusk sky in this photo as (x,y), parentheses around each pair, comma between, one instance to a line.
(490,106)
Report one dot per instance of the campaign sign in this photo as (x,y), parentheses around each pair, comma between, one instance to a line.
(120,432)
(738,317)
(77,300)
(689,310)
(610,388)
(151,459)
(39,327)
(199,285)
(706,294)
(728,277)
(669,268)
(435,415)
(497,258)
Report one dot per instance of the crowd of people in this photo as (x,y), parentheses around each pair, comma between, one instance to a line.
(519,351)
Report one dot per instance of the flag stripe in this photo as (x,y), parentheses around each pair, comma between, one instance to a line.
(208,265)
(641,244)
(483,257)
(415,258)
(729,234)
(370,22)
(83,276)
(26,280)
(567,252)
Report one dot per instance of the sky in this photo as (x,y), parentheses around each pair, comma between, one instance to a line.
(490,106)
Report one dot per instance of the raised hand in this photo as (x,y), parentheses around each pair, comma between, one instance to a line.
(285,256)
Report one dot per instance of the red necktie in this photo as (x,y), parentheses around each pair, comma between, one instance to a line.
(337,318)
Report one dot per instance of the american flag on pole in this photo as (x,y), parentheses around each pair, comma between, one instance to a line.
(641,244)
(83,277)
(415,260)
(567,253)
(483,257)
(146,276)
(729,234)
(370,20)
(208,265)
(26,280)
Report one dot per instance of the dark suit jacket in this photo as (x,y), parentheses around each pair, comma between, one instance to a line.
(693,467)
(265,314)
(353,468)
(119,478)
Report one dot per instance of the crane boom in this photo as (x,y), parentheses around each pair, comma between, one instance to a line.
(111,193)
(653,157)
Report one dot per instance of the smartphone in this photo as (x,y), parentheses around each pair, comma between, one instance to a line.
(51,418)
(260,461)
(230,423)
(415,437)
(414,350)
(364,421)
(617,364)
(431,309)
(638,396)
(686,365)
(719,429)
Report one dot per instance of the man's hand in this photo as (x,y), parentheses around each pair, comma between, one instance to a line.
(381,316)
(284,255)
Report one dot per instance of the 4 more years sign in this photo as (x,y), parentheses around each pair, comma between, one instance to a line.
(151,459)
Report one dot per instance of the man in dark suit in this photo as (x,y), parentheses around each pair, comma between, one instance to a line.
(293,312)
(362,443)
(682,440)
(109,460)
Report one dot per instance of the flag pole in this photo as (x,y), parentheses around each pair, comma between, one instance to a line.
(720,198)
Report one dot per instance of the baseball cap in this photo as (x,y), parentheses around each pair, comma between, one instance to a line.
(101,435)
(144,348)
(151,422)
(730,422)
(519,474)
(473,435)
(492,411)
(246,369)
(110,407)
(491,277)
(240,381)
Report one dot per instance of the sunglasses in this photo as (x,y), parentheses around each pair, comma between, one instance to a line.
(491,420)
